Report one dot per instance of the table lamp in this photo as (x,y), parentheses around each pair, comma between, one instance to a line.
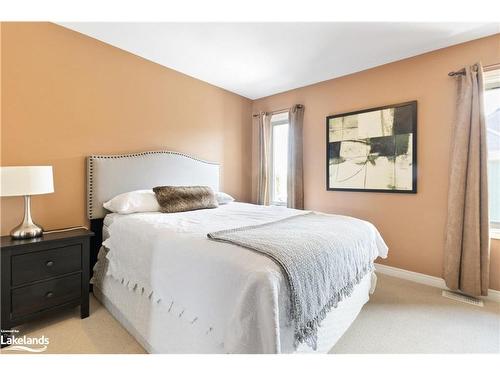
(26,181)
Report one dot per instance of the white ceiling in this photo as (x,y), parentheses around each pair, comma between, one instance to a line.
(261,59)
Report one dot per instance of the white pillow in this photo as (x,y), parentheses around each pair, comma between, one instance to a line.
(133,201)
(223,198)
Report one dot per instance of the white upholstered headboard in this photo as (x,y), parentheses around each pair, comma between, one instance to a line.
(110,175)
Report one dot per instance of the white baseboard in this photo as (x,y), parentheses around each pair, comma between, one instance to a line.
(437,282)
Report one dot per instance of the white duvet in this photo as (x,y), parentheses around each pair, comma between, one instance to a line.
(236,295)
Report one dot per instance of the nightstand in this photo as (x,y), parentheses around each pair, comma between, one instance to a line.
(43,275)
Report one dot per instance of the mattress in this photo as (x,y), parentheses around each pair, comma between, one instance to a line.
(178,292)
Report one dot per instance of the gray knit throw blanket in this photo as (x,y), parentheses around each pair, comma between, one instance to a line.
(322,256)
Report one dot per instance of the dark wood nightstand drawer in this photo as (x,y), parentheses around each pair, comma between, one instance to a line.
(41,265)
(36,297)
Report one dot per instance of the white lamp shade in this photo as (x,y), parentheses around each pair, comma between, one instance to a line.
(26,180)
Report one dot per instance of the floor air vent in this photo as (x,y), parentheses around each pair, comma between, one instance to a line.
(463,298)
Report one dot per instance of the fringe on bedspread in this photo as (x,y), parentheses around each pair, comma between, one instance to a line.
(309,333)
(101,269)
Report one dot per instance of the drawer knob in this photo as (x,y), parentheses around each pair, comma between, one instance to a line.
(49,295)
(49,263)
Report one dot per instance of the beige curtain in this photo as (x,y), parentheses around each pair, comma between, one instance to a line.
(264,126)
(295,179)
(466,261)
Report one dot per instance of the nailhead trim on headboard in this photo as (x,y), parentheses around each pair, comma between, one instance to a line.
(90,169)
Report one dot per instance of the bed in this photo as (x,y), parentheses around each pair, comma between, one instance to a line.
(175,290)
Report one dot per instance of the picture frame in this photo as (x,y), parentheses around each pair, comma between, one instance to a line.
(373,150)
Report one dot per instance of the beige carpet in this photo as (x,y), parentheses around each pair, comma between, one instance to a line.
(401,317)
(405,317)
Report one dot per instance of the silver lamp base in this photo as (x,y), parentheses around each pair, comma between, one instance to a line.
(27,229)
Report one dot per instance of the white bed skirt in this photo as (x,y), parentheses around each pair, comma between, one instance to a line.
(159,330)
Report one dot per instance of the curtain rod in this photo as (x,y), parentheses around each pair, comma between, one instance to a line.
(485,68)
(278,110)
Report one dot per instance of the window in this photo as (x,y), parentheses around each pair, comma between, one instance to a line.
(492,115)
(279,158)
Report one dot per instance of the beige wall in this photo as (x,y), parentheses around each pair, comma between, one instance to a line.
(412,225)
(65,96)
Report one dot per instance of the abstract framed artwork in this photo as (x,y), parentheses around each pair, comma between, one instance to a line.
(373,150)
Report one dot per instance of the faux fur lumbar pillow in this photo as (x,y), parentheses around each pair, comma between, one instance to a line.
(185,198)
